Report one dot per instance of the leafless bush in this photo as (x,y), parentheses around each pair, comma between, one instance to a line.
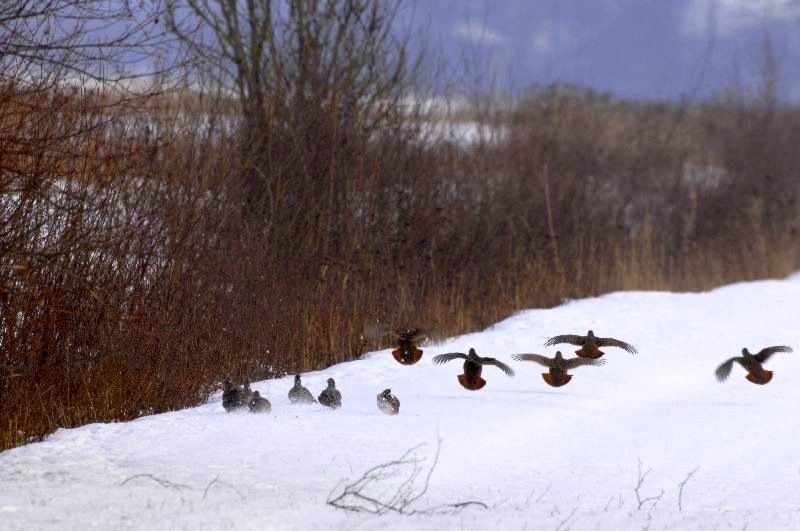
(393,487)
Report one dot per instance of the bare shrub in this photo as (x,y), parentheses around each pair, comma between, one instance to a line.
(393,487)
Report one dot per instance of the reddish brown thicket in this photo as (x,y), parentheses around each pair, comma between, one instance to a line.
(134,279)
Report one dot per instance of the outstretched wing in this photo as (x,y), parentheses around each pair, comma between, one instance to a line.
(426,334)
(724,370)
(450,356)
(536,358)
(765,353)
(499,364)
(611,342)
(572,339)
(376,330)
(574,363)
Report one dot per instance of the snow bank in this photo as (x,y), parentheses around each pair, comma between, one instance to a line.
(537,457)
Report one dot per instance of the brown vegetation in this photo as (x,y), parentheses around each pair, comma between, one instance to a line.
(147,250)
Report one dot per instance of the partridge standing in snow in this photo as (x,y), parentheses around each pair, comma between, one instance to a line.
(388,403)
(246,393)
(406,352)
(258,404)
(299,394)
(473,366)
(590,344)
(752,363)
(231,396)
(331,396)
(557,375)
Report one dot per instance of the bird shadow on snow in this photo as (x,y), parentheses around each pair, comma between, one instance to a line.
(753,405)
(424,396)
(546,393)
(483,398)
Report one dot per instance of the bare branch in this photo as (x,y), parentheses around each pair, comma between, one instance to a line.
(567,519)
(682,484)
(216,481)
(163,482)
(103,41)
(642,477)
(356,496)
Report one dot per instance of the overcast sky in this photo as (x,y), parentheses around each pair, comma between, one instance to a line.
(652,49)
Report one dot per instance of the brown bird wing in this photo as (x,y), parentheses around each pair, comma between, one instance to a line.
(499,364)
(450,356)
(611,342)
(536,358)
(724,370)
(572,339)
(423,334)
(418,334)
(376,330)
(574,363)
(765,353)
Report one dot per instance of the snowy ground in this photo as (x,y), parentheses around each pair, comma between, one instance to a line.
(538,457)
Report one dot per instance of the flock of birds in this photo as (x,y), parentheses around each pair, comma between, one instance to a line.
(408,353)
(236,397)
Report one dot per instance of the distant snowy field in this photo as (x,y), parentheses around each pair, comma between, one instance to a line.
(536,456)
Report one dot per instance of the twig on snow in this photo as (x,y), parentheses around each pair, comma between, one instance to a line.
(163,482)
(216,481)
(565,520)
(539,498)
(355,496)
(641,501)
(683,484)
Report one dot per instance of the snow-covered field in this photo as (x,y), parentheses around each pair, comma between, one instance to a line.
(537,457)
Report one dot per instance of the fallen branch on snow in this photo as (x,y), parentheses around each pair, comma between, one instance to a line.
(369,493)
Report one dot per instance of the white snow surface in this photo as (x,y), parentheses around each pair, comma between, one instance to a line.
(537,457)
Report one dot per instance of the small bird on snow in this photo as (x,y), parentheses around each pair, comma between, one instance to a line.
(331,396)
(557,375)
(752,363)
(258,404)
(473,366)
(246,393)
(232,396)
(388,403)
(299,394)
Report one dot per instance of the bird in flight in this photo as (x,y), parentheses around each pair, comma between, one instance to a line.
(473,366)
(406,340)
(752,363)
(590,344)
(558,366)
